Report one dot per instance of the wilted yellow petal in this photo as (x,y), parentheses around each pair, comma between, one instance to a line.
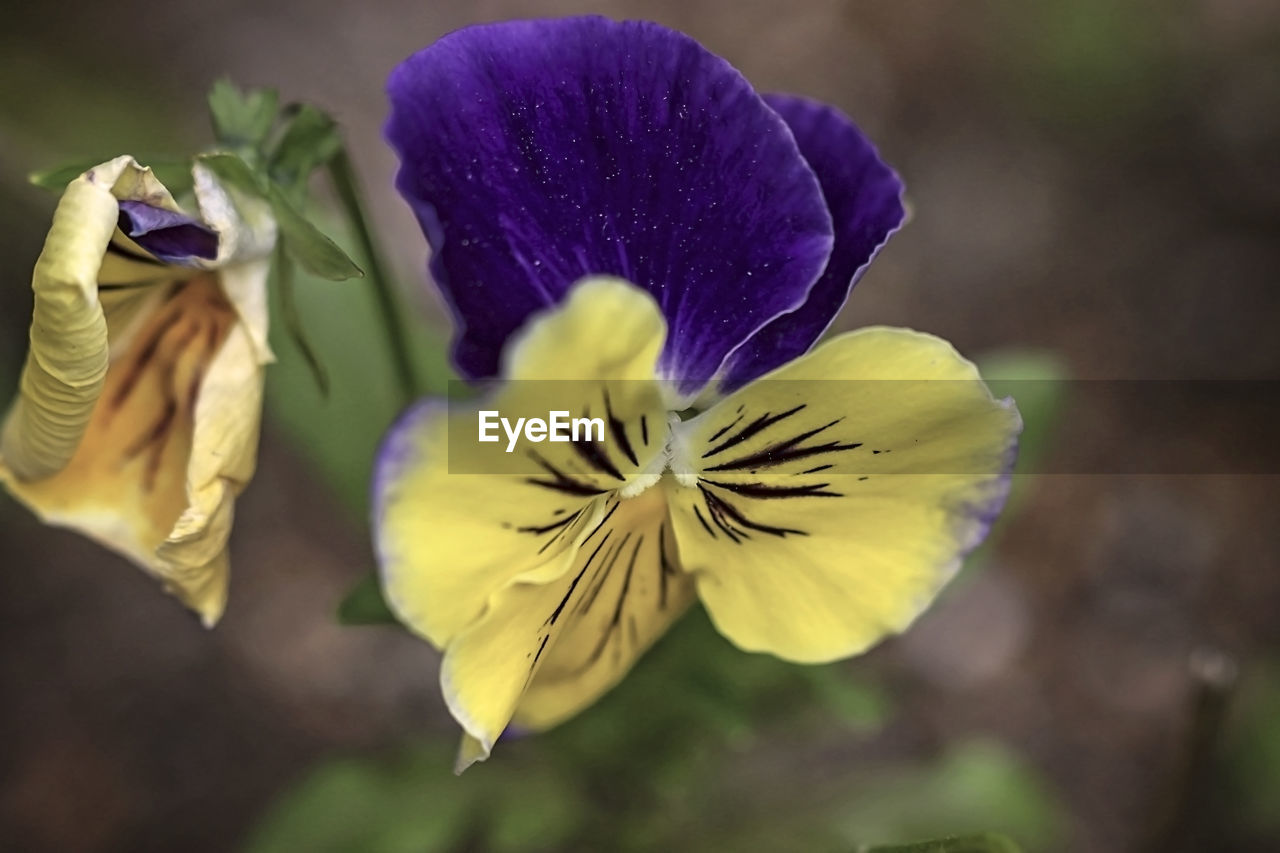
(67,361)
(138,414)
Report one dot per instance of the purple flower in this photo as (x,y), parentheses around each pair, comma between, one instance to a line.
(614,208)
(536,153)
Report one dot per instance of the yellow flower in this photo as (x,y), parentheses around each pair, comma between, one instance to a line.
(137,417)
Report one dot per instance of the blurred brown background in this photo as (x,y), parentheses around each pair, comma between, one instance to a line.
(1097,179)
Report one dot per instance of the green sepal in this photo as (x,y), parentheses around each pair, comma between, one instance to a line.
(364,605)
(305,243)
(232,170)
(242,120)
(987,842)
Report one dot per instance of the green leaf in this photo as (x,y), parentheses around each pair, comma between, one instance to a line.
(57,178)
(313,251)
(174,174)
(305,243)
(293,321)
(242,119)
(407,804)
(233,171)
(410,802)
(364,604)
(985,843)
(973,787)
(310,140)
(365,396)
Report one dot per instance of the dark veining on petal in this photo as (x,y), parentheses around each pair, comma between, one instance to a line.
(787,451)
(722,505)
(561,481)
(705,526)
(144,359)
(594,456)
(730,425)
(572,586)
(619,430)
(601,575)
(603,521)
(763,490)
(560,527)
(541,646)
(546,528)
(617,610)
(664,566)
(754,428)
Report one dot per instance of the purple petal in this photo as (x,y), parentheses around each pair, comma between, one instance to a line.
(171,237)
(865,199)
(537,152)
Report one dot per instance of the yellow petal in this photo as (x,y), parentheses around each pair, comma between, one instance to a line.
(543,651)
(539,578)
(456,520)
(67,361)
(629,600)
(138,413)
(825,505)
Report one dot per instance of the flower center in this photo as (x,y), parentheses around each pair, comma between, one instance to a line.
(673,459)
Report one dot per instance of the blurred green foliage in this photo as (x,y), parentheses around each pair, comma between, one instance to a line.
(1036,380)
(985,843)
(364,604)
(339,432)
(1252,753)
(1095,67)
(672,759)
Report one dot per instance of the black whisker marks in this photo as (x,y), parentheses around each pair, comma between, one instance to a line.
(541,646)
(705,526)
(765,491)
(733,423)
(724,506)
(560,482)
(573,585)
(787,451)
(617,608)
(757,426)
(594,456)
(664,567)
(601,575)
(619,430)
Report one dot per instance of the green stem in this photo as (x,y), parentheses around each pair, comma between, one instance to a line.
(1184,812)
(344,181)
(293,320)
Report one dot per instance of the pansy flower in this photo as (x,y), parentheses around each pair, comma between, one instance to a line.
(137,416)
(624,229)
